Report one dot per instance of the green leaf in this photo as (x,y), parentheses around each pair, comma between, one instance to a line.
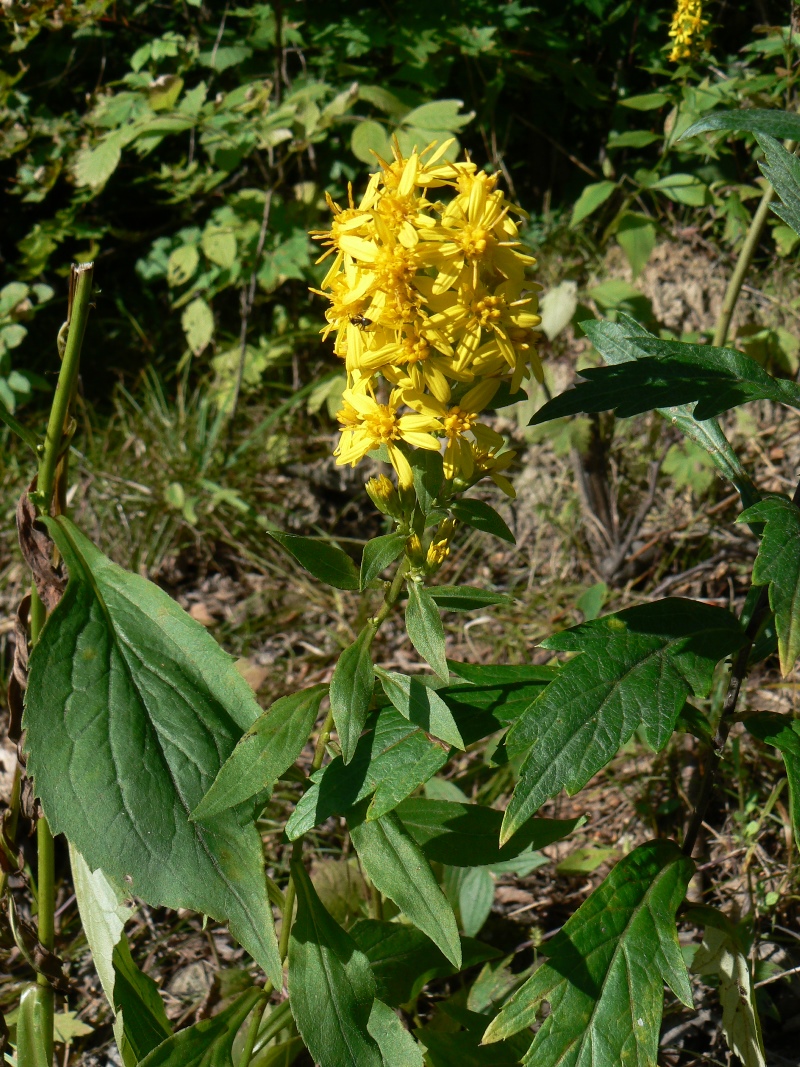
(425,629)
(269,747)
(403,959)
(502,674)
(123,684)
(591,198)
(141,1024)
(378,554)
(67,1026)
(586,859)
(351,690)
(323,559)
(645,102)
(421,705)
(472,889)
(398,1047)
(636,669)
(282,1055)
(331,987)
(219,246)
(208,1043)
(468,835)
(783,124)
(481,516)
(778,565)
(636,236)
(782,733)
(396,866)
(438,115)
(93,167)
(181,265)
(103,916)
(428,477)
(466,597)
(633,139)
(683,189)
(30,1030)
(606,969)
(369,139)
(782,171)
(197,321)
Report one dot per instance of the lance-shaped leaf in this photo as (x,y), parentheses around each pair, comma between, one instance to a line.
(396,866)
(323,559)
(466,597)
(607,967)
(208,1043)
(378,554)
(398,1047)
(331,987)
(782,733)
(778,565)
(351,690)
(784,124)
(131,710)
(424,626)
(421,705)
(269,747)
(635,669)
(481,516)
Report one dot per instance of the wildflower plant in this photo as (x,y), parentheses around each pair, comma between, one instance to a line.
(148,751)
(687,31)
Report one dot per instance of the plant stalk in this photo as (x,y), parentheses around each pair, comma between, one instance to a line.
(252,1032)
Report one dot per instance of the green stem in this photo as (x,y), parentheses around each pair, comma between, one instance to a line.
(252,1032)
(742,266)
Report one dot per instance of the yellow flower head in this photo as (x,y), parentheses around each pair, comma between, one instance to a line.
(431,311)
(687,29)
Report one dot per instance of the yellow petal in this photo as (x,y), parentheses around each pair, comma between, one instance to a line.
(405,475)
(358,248)
(479,396)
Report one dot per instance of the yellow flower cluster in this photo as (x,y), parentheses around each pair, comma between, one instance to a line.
(430,312)
(688,26)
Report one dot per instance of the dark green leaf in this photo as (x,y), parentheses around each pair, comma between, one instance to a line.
(331,987)
(378,554)
(481,710)
(782,171)
(502,674)
(397,867)
(782,733)
(463,1049)
(123,685)
(778,565)
(636,669)
(421,705)
(428,477)
(136,995)
(424,627)
(471,890)
(466,597)
(783,124)
(323,559)
(403,959)
(481,516)
(269,747)
(351,690)
(391,760)
(398,1047)
(207,1043)
(607,967)
(468,835)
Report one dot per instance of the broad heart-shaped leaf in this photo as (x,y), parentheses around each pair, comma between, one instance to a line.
(208,1043)
(606,969)
(421,705)
(269,747)
(396,866)
(481,516)
(398,1047)
(782,171)
(323,559)
(778,565)
(783,124)
(782,733)
(424,626)
(378,554)
(636,669)
(671,373)
(466,597)
(331,987)
(617,342)
(351,690)
(131,710)
(468,835)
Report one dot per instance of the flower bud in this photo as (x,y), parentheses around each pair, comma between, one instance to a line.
(384,496)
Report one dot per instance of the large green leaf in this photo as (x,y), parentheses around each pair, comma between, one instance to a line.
(784,124)
(269,747)
(351,690)
(397,867)
(636,669)
(421,705)
(468,835)
(398,1047)
(323,559)
(331,987)
(131,710)
(778,565)
(424,627)
(207,1043)
(782,733)
(606,969)
(782,171)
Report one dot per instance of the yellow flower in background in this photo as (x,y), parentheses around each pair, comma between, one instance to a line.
(687,29)
(431,297)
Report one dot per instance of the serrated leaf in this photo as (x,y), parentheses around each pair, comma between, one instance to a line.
(331,987)
(351,691)
(606,969)
(635,670)
(425,629)
(197,321)
(123,683)
(782,171)
(398,1047)
(466,597)
(379,553)
(775,123)
(208,1043)
(778,565)
(396,866)
(481,516)
(591,198)
(782,733)
(421,705)
(468,835)
(269,747)
(323,559)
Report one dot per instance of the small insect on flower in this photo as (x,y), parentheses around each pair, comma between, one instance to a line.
(361,321)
